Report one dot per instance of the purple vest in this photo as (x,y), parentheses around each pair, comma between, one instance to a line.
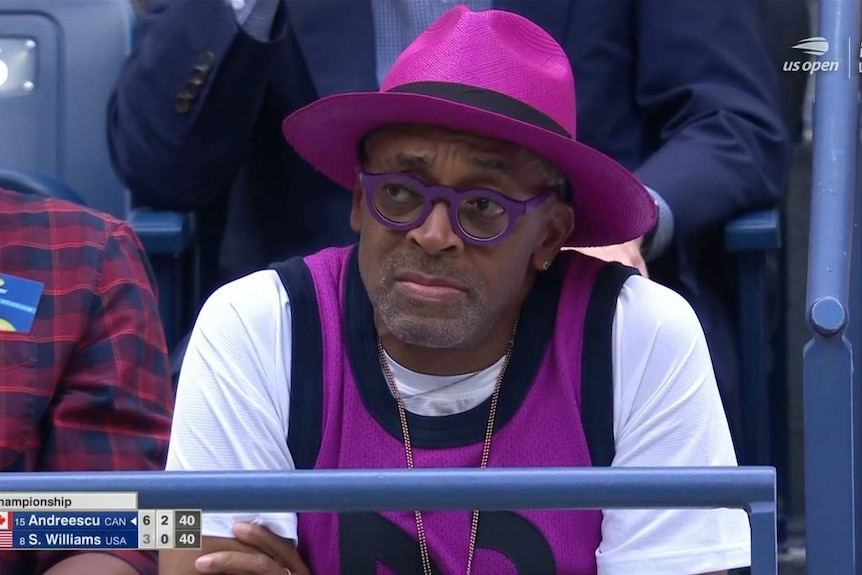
(343,416)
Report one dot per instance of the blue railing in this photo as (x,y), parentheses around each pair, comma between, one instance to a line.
(749,488)
(831,385)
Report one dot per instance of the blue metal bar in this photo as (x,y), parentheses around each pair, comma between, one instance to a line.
(854,336)
(750,488)
(764,539)
(753,313)
(834,158)
(400,489)
(831,406)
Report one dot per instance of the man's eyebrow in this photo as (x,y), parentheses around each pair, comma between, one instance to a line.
(491,164)
(407,161)
(410,161)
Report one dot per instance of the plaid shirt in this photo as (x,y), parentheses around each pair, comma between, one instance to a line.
(88,388)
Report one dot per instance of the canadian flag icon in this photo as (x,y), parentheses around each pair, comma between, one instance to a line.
(5,520)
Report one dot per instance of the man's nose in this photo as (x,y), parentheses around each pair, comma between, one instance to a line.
(436,235)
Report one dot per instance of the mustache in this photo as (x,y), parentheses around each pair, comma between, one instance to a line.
(430,266)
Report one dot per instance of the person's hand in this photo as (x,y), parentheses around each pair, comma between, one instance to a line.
(628,254)
(277,556)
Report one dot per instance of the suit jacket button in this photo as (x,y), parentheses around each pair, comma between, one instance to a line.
(208,60)
(198,76)
(183,103)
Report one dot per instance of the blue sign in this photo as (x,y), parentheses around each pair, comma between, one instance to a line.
(19,300)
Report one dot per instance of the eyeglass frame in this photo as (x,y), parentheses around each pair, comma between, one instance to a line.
(432,194)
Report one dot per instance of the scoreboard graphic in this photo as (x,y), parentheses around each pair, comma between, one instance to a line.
(93,520)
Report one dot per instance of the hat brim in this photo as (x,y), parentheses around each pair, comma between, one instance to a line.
(610,205)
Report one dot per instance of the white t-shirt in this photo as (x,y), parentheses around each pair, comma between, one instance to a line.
(234,392)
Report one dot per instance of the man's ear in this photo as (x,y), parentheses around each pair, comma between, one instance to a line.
(356,209)
(559,223)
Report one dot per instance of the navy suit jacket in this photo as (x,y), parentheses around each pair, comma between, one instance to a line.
(680,91)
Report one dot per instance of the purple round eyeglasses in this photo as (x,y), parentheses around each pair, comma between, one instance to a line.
(401,202)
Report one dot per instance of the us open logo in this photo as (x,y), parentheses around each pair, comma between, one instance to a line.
(816,46)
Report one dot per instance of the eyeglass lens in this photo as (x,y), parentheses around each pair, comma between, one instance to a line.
(480,217)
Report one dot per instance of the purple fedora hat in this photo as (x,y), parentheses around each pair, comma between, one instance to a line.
(495,74)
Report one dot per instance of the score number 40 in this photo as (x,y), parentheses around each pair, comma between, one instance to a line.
(189,539)
(189,521)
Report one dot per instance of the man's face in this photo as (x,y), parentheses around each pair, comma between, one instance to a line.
(428,286)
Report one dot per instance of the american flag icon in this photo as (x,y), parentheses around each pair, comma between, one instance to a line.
(5,539)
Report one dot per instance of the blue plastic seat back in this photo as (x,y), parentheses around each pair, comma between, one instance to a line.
(59,60)
(40,184)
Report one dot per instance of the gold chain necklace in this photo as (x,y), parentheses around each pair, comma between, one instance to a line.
(408,449)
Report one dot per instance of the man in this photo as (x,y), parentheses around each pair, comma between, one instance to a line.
(686,89)
(83,365)
(457,334)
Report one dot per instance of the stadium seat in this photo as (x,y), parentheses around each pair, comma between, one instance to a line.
(751,239)
(59,61)
(168,239)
